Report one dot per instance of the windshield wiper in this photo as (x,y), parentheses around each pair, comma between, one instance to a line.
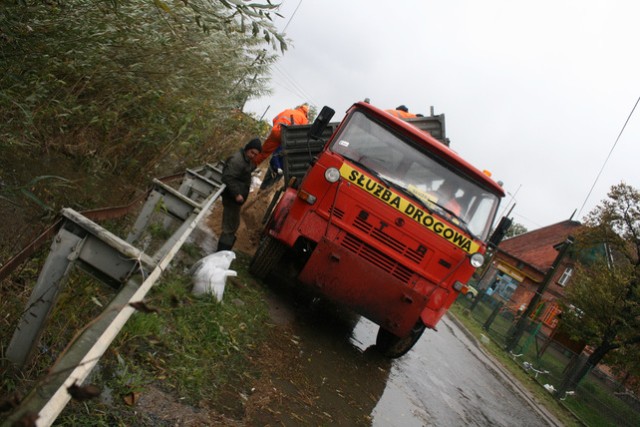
(371,171)
(461,222)
(389,184)
(414,197)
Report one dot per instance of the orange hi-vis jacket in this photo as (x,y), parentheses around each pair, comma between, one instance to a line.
(401,114)
(297,116)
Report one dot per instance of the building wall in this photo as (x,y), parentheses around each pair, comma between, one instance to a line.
(506,271)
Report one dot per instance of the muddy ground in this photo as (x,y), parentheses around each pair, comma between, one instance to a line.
(252,215)
(306,369)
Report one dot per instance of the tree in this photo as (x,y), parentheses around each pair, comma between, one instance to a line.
(130,84)
(129,89)
(603,300)
(626,365)
(515,230)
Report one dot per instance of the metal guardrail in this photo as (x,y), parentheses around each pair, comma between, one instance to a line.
(95,214)
(115,262)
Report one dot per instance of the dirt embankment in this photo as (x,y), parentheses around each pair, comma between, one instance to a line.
(253,212)
(308,372)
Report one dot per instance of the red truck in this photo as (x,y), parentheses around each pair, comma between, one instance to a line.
(363,219)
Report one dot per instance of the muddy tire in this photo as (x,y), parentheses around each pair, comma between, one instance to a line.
(266,257)
(392,346)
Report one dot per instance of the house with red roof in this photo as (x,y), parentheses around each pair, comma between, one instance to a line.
(520,265)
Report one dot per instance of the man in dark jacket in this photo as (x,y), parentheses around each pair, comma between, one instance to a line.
(236,174)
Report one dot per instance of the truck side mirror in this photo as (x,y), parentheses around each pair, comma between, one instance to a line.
(321,122)
(500,231)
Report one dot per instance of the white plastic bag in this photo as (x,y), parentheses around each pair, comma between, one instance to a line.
(211,272)
(220,259)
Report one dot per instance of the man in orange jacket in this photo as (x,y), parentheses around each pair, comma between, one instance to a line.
(402,112)
(296,116)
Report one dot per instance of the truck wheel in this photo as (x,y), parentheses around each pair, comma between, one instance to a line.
(266,257)
(392,346)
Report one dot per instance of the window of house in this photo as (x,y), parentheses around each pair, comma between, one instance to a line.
(550,315)
(564,279)
(507,291)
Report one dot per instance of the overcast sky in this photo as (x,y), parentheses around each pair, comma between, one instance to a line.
(536,92)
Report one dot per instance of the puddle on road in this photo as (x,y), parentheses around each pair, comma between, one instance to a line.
(363,335)
(336,377)
(331,375)
(371,384)
(396,409)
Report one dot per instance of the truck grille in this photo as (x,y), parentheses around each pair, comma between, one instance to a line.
(338,213)
(377,258)
(388,240)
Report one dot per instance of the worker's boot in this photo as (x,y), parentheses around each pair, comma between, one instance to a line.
(225,243)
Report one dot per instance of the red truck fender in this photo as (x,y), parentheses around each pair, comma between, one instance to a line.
(434,309)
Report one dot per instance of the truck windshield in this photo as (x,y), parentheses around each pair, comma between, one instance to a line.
(416,172)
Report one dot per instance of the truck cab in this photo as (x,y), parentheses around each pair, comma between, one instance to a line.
(382,218)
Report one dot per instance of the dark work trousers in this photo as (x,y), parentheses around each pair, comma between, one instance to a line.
(271,178)
(230,223)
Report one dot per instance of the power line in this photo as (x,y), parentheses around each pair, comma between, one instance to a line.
(513,197)
(287,81)
(527,219)
(288,89)
(609,155)
(290,81)
(292,15)
(294,85)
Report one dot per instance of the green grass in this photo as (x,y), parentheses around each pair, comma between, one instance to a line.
(594,403)
(190,348)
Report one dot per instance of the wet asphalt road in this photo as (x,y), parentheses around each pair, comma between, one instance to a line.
(445,380)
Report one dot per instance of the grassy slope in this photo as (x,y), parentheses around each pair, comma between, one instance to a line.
(194,351)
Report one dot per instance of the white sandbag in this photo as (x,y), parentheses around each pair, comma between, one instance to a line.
(219,281)
(220,259)
(211,272)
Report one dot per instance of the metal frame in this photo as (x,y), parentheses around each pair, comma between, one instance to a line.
(115,262)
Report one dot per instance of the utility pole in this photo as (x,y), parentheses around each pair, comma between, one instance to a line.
(518,330)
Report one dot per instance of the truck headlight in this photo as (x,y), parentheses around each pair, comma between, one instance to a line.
(332,175)
(477,260)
